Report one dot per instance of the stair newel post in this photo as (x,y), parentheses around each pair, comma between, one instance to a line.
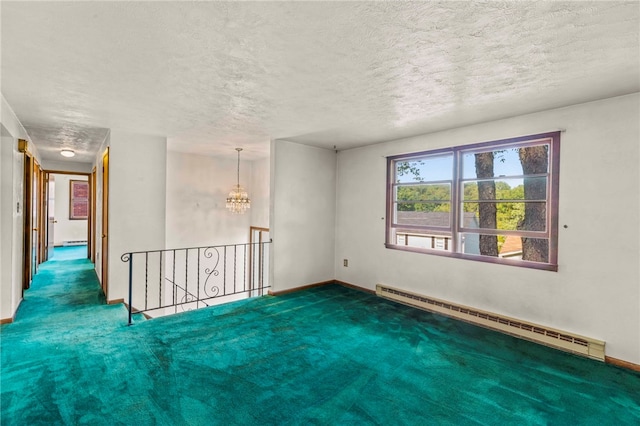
(128,257)
(130,287)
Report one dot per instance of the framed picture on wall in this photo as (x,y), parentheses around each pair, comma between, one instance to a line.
(78,199)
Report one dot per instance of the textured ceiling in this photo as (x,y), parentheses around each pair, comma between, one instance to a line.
(215,75)
(83,141)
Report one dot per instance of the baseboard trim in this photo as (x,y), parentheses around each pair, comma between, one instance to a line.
(303,287)
(115,301)
(13,317)
(621,363)
(355,287)
(308,286)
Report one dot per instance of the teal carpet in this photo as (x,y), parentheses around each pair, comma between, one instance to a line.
(69,253)
(326,356)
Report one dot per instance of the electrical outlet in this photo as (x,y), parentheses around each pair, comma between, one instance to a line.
(345,262)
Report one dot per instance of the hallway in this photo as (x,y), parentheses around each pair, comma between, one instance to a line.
(56,355)
(327,355)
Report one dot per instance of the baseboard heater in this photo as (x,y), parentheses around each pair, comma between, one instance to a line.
(75,243)
(559,339)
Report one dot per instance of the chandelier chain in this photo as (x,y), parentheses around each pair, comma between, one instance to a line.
(238,149)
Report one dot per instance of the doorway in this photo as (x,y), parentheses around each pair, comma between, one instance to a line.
(68,210)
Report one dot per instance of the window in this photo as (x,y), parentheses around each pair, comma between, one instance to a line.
(494,201)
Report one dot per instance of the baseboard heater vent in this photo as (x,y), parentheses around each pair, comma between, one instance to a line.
(563,340)
(75,243)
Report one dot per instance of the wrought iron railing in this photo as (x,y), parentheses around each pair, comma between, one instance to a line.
(187,296)
(163,282)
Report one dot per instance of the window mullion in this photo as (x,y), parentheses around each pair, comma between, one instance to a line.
(422,183)
(455,204)
(402,201)
(505,177)
(499,200)
(515,233)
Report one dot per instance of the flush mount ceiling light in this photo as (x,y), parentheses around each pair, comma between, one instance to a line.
(67,153)
(238,199)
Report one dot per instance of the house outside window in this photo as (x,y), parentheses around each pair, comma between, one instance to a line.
(493,201)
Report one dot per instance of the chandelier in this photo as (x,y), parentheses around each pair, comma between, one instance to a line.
(238,200)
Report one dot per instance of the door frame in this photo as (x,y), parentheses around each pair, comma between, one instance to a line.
(32,215)
(27,201)
(36,209)
(91,242)
(43,178)
(260,230)
(45,223)
(104,270)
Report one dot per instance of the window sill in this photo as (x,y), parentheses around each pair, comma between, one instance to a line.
(477,258)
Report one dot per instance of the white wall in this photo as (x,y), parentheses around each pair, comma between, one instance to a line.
(260,192)
(67,166)
(11,215)
(137,190)
(6,225)
(596,291)
(197,187)
(65,229)
(302,217)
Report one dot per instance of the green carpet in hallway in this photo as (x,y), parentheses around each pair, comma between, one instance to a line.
(328,356)
(69,253)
